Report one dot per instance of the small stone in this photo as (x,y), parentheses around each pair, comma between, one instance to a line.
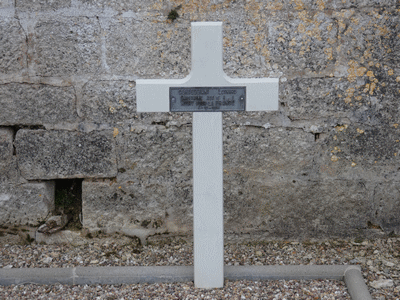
(309,256)
(382,283)
(259,253)
(388,263)
(94,262)
(47,260)
(8,267)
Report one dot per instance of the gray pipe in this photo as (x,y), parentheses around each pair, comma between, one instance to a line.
(356,286)
(130,275)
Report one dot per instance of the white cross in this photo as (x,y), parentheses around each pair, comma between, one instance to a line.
(153,95)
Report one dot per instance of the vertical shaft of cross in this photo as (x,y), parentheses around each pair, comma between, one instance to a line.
(206,53)
(208,229)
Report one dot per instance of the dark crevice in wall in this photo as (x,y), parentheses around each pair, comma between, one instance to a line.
(68,200)
(30,127)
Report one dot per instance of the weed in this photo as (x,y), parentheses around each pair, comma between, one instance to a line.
(29,239)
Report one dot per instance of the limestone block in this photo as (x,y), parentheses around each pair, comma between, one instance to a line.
(67,46)
(41,5)
(6,3)
(12,47)
(261,154)
(26,204)
(6,144)
(36,104)
(387,207)
(300,209)
(167,48)
(8,162)
(301,43)
(160,151)
(333,98)
(108,101)
(358,151)
(122,6)
(339,4)
(369,39)
(9,172)
(65,154)
(136,208)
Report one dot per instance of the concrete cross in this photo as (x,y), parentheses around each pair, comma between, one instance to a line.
(206,92)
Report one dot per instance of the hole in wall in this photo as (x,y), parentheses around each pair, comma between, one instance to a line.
(68,201)
(316,136)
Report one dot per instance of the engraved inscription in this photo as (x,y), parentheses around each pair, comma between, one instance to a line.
(207,99)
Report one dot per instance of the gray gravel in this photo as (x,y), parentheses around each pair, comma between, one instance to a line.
(379,259)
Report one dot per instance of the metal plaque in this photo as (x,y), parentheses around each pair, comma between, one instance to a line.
(207,99)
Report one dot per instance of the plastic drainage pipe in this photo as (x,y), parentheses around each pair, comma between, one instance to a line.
(131,275)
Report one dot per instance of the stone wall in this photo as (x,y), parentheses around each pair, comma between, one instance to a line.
(325,164)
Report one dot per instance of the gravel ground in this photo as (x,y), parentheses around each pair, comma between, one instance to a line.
(379,259)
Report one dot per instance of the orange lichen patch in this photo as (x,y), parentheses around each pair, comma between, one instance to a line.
(347,100)
(358,98)
(367,54)
(350,92)
(341,127)
(115,132)
(276,5)
(384,31)
(361,71)
(227,42)
(342,25)
(299,4)
(301,28)
(355,21)
(331,41)
(353,164)
(395,125)
(321,4)
(334,158)
(281,39)
(378,65)
(157,5)
(398,79)
(353,71)
(360,131)
(265,52)
(370,63)
(329,53)
(370,74)
(372,88)
(348,31)
(390,72)
(293,43)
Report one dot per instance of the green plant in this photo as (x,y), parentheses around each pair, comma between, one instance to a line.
(173,15)
(29,239)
